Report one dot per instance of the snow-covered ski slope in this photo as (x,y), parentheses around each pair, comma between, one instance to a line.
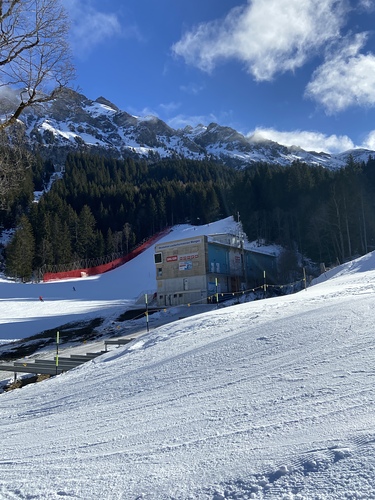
(22,314)
(272,399)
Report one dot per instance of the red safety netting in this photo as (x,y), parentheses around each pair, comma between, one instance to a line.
(92,271)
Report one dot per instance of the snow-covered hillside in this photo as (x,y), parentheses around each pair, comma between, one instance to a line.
(271,399)
(22,314)
(73,122)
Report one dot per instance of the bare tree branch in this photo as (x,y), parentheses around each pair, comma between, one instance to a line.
(35,58)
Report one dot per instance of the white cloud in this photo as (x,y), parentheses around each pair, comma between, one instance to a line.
(8,93)
(307,140)
(267,36)
(369,142)
(142,113)
(192,88)
(170,107)
(90,27)
(367,5)
(181,121)
(347,78)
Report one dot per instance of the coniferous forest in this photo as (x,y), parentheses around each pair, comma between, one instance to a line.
(102,207)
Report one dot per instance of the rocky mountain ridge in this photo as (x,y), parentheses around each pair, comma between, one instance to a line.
(74,122)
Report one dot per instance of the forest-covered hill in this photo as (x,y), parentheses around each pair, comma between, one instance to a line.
(104,206)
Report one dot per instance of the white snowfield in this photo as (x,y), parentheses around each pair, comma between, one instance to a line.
(272,399)
(22,314)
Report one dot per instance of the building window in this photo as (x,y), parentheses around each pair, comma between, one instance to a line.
(160,271)
(158,258)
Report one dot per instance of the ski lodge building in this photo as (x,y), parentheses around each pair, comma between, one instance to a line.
(208,268)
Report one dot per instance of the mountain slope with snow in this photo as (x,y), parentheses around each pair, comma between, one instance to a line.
(73,122)
(271,399)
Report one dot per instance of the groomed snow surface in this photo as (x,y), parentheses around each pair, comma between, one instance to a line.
(272,399)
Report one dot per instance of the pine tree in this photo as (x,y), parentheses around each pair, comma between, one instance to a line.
(86,234)
(45,246)
(20,251)
(109,244)
(129,236)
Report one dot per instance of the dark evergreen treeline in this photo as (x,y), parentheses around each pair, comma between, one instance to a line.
(104,206)
(326,215)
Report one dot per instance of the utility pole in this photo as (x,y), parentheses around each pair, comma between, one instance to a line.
(146,301)
(264,284)
(57,350)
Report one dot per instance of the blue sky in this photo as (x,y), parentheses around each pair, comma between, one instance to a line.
(295,71)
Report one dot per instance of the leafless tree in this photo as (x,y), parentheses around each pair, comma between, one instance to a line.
(35,59)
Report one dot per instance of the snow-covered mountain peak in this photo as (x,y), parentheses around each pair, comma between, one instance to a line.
(74,122)
(108,104)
